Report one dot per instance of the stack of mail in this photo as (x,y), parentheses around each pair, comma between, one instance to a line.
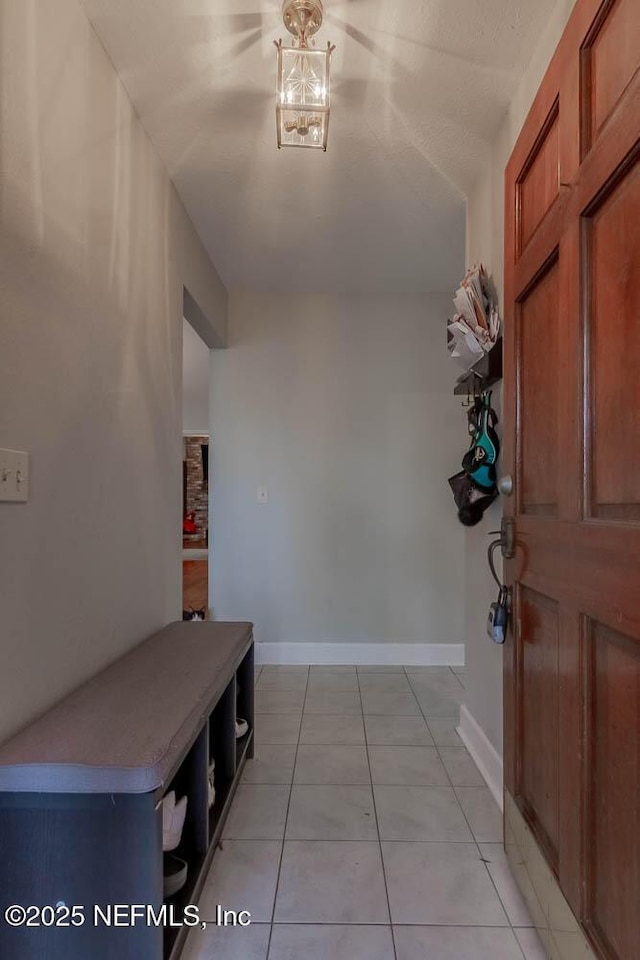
(476,325)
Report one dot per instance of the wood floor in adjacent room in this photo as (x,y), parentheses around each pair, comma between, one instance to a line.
(195,586)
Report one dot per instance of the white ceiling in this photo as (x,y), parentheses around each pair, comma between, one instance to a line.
(419,89)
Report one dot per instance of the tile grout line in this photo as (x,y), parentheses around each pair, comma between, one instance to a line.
(520,947)
(452,786)
(286,819)
(375,813)
(457,677)
(477,843)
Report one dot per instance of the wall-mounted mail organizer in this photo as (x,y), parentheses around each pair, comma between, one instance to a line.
(83,790)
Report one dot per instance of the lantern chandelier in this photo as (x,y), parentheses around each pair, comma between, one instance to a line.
(303,105)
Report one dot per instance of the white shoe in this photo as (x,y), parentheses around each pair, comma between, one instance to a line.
(175,873)
(242,727)
(173,817)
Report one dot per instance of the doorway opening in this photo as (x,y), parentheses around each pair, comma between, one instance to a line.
(195,474)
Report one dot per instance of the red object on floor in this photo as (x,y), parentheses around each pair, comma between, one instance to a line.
(189,524)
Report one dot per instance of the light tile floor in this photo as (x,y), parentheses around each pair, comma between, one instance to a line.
(363,830)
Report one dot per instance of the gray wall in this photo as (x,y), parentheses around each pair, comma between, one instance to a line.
(94,250)
(196,376)
(342,407)
(485,242)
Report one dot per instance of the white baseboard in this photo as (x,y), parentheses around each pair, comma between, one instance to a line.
(190,553)
(485,756)
(362,654)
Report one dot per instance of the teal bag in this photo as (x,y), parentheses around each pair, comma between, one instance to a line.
(479,463)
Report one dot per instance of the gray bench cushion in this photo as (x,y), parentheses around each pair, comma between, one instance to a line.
(125,729)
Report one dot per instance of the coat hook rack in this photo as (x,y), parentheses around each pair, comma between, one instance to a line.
(474,390)
(483,374)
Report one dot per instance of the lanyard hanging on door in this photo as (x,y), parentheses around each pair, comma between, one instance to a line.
(498,619)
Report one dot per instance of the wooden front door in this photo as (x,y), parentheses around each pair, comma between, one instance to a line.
(572,422)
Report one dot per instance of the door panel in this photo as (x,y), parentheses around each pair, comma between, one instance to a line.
(572,443)
(539,183)
(538,321)
(539,712)
(613,797)
(610,59)
(612,269)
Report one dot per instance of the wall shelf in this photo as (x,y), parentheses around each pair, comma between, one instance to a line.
(483,374)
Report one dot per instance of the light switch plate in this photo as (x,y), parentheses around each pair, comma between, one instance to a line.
(14,476)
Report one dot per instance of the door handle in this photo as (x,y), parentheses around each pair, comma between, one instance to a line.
(506,539)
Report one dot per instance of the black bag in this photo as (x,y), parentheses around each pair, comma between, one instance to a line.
(469,500)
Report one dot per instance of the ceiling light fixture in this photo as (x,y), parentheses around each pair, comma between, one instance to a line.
(303,105)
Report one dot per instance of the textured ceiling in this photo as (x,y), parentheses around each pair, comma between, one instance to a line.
(419,89)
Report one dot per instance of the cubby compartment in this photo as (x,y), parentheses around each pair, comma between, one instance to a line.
(190,780)
(222,750)
(245,706)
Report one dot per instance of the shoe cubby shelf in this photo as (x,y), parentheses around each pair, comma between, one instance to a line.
(81,790)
